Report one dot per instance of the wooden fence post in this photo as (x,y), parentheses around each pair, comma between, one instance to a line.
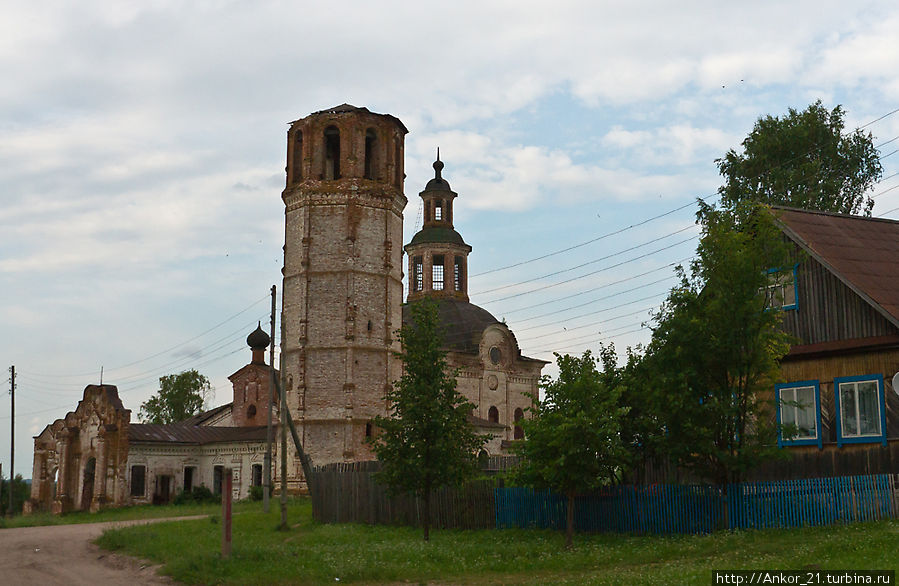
(226,512)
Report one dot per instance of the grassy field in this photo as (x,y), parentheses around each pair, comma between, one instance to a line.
(317,554)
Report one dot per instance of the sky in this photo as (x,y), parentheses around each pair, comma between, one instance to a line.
(143,145)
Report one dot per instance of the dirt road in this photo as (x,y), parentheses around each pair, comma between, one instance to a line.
(64,554)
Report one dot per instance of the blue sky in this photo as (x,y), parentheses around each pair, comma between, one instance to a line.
(142,158)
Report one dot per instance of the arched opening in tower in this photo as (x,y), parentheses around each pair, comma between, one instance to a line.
(332,153)
(371,154)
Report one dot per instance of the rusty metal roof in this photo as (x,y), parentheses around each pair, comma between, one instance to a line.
(202,418)
(862,252)
(179,433)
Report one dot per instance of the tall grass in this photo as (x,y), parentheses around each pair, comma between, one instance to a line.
(310,553)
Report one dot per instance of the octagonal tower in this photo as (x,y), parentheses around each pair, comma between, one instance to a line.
(342,289)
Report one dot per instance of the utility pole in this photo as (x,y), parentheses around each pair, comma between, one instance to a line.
(283,403)
(12,434)
(267,461)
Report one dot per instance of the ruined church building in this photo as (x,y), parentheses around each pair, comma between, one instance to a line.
(342,301)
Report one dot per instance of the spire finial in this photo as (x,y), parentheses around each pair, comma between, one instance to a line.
(438,165)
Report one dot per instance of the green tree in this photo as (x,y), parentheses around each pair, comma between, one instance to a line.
(803,160)
(427,441)
(21,493)
(715,351)
(180,396)
(573,441)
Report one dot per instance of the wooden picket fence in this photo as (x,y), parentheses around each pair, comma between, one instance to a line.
(348,493)
(663,509)
(812,501)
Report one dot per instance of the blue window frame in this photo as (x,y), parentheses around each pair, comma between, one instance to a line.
(798,413)
(860,409)
(781,291)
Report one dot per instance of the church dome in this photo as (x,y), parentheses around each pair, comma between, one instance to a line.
(258,339)
(438,183)
(463,323)
(437,235)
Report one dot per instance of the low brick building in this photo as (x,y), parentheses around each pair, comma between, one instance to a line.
(95,457)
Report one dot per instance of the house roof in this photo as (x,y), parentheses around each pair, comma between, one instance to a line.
(181,433)
(861,252)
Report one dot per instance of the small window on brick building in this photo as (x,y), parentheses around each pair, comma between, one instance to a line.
(332,153)
(298,156)
(251,411)
(218,475)
(457,273)
(371,154)
(138,480)
(368,429)
(493,415)
(417,274)
(437,273)
(518,432)
(189,473)
(257,474)
(438,210)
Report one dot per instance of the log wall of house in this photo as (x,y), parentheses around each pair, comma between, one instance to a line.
(828,310)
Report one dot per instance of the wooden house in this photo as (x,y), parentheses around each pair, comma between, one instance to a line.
(837,404)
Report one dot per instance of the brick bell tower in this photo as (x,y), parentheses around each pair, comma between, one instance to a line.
(342,289)
(438,257)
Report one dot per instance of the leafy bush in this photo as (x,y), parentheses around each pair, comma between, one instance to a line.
(198,495)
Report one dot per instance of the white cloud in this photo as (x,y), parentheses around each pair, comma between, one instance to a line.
(142,143)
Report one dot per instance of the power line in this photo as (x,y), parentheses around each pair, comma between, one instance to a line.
(592,301)
(596,323)
(582,265)
(557,299)
(624,262)
(162,351)
(597,239)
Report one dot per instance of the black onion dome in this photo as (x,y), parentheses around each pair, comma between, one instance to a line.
(258,339)
(438,183)
(463,323)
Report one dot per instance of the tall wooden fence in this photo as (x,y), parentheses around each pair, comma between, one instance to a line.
(348,493)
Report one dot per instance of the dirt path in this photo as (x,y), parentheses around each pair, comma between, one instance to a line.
(64,554)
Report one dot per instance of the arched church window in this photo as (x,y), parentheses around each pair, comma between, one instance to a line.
(518,432)
(138,480)
(371,154)
(298,156)
(332,153)
(417,274)
(438,210)
(251,411)
(493,414)
(457,273)
(437,272)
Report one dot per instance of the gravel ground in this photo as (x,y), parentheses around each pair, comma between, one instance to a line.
(64,554)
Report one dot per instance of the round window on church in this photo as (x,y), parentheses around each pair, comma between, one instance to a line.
(495,355)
